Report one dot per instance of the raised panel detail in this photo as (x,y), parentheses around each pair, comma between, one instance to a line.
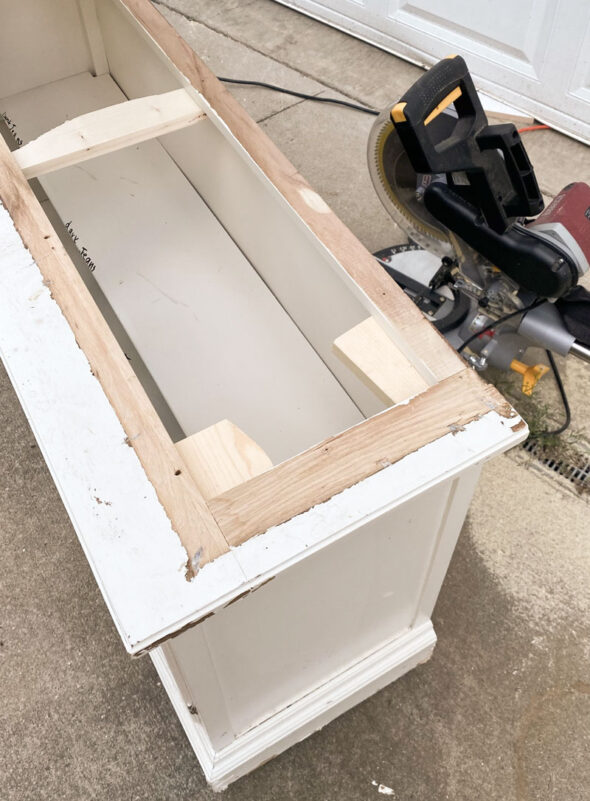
(513,34)
(579,85)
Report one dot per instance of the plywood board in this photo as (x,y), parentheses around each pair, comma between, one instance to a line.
(210,332)
(417,339)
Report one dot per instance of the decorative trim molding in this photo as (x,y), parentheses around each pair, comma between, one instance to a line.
(298,720)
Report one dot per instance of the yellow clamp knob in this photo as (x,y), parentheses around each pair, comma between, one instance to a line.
(531,374)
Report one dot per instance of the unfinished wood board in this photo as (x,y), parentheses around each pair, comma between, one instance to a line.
(331,466)
(498,110)
(368,350)
(108,129)
(144,431)
(221,457)
(212,335)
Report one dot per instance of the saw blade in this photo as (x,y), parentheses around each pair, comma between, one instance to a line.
(396,182)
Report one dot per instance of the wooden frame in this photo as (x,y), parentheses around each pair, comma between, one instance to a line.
(205,528)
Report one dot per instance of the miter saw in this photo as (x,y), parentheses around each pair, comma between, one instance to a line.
(494,272)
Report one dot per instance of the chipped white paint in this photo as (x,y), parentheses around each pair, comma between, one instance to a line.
(137,559)
(83,444)
(383,788)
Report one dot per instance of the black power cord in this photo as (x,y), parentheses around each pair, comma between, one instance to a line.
(302,95)
(499,321)
(556,373)
(566,406)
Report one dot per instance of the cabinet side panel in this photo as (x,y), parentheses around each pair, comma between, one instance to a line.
(312,622)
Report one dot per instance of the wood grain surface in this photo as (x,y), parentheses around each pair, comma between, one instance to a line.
(185,506)
(318,474)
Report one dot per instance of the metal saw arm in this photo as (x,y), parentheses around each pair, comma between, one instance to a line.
(535,263)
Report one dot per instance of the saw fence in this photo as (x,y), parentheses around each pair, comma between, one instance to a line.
(265,449)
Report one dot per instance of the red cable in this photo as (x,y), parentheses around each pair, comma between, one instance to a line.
(533,128)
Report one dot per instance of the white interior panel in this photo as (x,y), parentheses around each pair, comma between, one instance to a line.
(299,272)
(210,332)
(54,47)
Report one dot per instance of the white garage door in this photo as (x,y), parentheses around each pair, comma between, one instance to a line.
(532,54)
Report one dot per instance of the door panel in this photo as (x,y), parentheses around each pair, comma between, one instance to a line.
(512,34)
(531,54)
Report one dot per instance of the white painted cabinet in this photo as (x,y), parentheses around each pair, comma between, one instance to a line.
(274,590)
(532,54)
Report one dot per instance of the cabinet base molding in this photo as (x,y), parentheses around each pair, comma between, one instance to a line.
(298,720)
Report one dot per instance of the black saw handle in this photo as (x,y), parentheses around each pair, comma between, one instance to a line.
(445,83)
(500,178)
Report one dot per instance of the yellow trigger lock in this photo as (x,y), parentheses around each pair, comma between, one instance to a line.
(531,374)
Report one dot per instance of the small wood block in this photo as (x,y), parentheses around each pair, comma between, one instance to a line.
(106,130)
(221,457)
(372,355)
